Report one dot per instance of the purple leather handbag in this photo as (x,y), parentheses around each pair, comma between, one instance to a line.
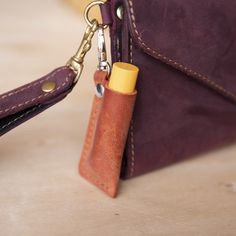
(186,52)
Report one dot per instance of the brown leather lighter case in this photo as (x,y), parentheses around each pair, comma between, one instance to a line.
(106,136)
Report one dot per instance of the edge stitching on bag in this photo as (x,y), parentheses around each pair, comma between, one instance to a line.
(9,94)
(174,63)
(132,122)
(19,117)
(40,96)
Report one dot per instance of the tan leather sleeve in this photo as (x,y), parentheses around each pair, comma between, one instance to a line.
(105,141)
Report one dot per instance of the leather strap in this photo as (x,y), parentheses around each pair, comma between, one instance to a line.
(106,13)
(25,102)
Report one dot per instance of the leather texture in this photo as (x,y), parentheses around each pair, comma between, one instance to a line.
(106,137)
(29,100)
(186,52)
(106,13)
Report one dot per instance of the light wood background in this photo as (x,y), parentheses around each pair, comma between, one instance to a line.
(41,192)
(80,6)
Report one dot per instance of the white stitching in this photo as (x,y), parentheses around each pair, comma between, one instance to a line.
(132,122)
(20,117)
(118,49)
(176,64)
(43,95)
(132,148)
(9,94)
(131,50)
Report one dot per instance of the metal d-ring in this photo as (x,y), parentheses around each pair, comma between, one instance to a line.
(88,8)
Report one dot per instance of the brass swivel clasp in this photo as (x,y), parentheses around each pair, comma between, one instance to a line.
(76,63)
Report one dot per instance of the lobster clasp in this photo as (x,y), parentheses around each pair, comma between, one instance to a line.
(76,62)
(102,54)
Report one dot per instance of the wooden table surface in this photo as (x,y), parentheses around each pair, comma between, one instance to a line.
(41,192)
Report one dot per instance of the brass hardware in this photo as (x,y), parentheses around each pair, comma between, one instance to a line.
(88,8)
(48,86)
(76,62)
(120,12)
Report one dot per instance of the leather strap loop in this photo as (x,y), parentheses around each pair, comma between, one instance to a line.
(29,100)
(106,13)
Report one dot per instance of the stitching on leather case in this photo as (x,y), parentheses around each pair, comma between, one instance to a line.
(40,96)
(97,182)
(132,122)
(86,147)
(9,94)
(19,117)
(174,63)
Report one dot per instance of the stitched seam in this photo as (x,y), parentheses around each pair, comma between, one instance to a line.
(86,147)
(131,50)
(174,63)
(36,98)
(132,122)
(118,49)
(19,117)
(31,85)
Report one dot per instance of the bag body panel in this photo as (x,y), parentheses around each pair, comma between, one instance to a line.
(176,116)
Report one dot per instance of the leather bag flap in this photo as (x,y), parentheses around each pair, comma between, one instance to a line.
(195,37)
